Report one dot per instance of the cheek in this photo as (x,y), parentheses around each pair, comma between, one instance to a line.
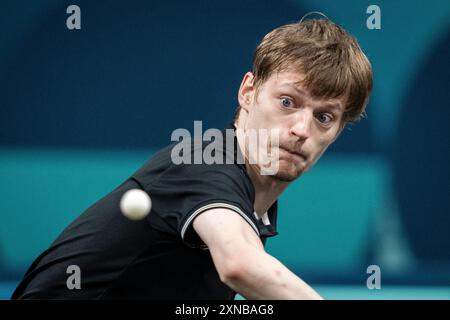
(324,139)
(321,144)
(262,113)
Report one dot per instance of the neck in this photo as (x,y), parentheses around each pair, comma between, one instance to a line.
(267,189)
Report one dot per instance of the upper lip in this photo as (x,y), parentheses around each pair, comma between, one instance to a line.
(294,152)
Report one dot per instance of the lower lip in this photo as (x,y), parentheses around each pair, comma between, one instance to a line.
(291,155)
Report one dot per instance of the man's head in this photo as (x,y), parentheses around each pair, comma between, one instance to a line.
(308,80)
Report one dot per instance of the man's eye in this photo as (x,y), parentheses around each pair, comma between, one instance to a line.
(286,102)
(324,118)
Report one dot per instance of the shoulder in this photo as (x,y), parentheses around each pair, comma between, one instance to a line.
(218,161)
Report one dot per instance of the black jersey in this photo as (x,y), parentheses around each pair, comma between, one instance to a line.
(159,257)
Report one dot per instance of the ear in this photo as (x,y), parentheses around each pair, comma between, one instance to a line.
(246,91)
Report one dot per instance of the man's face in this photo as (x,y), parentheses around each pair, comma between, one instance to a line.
(306,126)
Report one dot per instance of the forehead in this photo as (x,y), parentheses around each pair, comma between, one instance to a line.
(294,81)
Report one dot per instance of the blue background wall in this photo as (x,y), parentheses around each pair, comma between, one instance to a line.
(81,110)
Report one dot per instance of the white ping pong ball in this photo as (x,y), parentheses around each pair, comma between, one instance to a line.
(135,204)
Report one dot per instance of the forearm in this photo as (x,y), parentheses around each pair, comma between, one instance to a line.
(264,277)
(241,262)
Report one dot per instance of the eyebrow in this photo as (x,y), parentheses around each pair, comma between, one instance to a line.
(303,93)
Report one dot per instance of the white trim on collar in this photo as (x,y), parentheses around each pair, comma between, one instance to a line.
(265,218)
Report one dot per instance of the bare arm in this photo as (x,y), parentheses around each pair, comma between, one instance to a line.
(241,261)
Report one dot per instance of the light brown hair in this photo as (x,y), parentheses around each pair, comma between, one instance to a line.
(329,57)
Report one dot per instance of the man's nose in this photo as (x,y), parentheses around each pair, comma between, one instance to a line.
(302,125)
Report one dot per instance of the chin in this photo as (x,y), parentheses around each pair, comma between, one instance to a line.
(286,176)
(288,173)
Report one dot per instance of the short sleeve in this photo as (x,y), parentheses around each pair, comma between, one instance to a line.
(182,192)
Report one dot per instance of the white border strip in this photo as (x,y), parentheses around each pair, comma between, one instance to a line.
(265,219)
(216,205)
